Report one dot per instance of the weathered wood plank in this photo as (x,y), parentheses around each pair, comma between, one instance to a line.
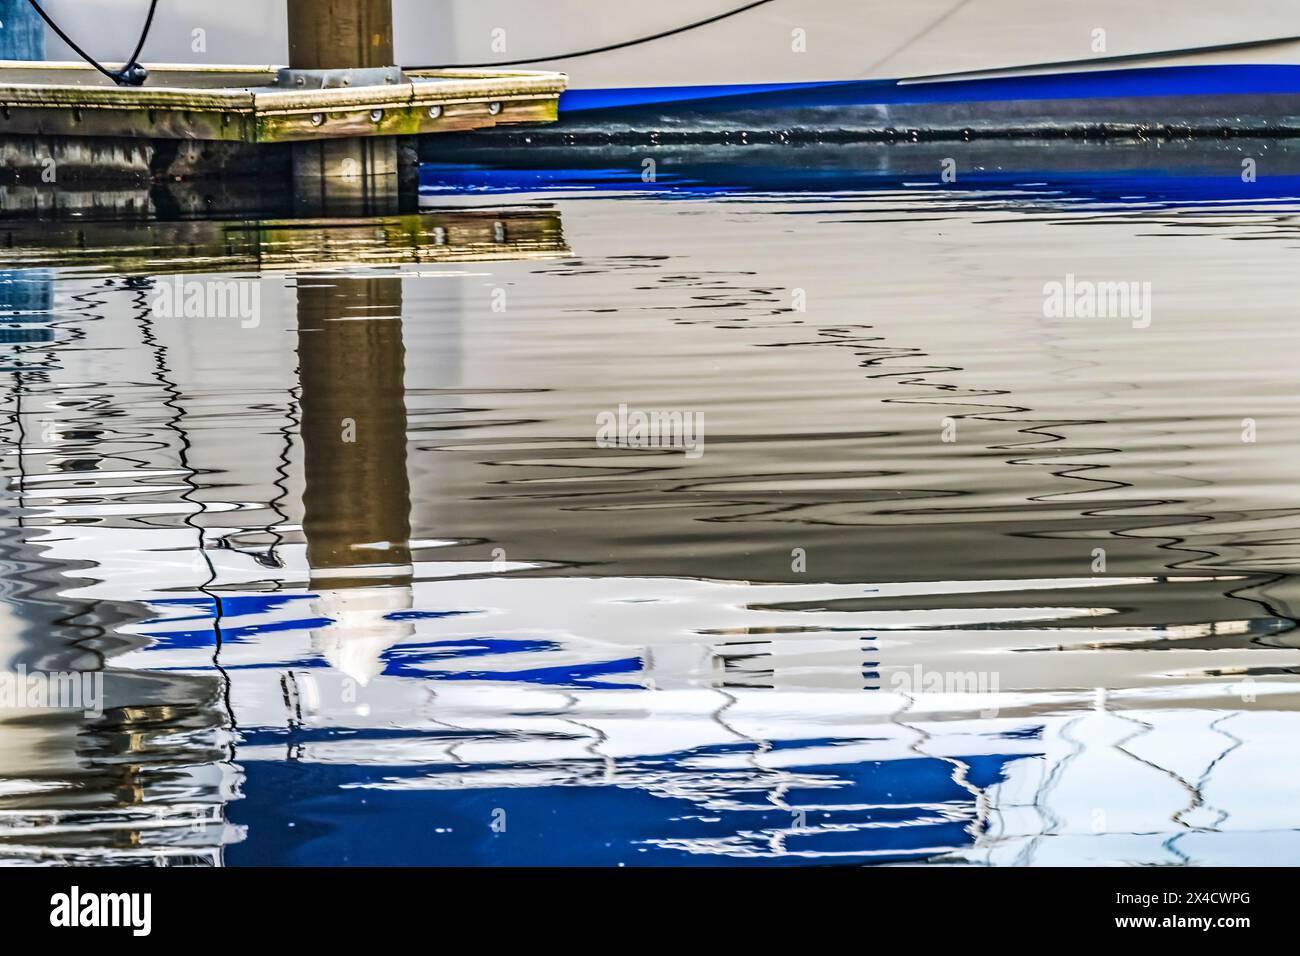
(74,100)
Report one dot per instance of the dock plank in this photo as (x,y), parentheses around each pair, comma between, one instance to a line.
(241,103)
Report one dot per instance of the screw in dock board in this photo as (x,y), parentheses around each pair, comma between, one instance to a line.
(494,108)
(435,112)
(376,115)
(317,119)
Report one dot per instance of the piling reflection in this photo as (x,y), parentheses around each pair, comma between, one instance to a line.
(147,776)
(356,497)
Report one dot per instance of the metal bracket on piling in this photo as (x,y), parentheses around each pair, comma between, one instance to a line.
(296,79)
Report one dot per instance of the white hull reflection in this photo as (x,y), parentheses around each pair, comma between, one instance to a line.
(725,697)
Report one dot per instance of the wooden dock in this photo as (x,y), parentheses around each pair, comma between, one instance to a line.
(262,105)
(333,121)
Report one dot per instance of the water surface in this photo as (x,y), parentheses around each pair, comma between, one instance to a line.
(953,580)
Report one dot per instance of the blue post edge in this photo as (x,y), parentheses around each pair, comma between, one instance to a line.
(22,33)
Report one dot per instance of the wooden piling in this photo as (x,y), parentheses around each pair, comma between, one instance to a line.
(343,35)
(340,34)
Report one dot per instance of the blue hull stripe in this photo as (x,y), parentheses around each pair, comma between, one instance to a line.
(1213,80)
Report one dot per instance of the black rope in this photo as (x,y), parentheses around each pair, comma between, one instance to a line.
(599,49)
(131,73)
(144,36)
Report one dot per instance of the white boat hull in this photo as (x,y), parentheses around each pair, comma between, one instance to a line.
(829,52)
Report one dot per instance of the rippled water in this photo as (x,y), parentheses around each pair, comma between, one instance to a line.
(951,581)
